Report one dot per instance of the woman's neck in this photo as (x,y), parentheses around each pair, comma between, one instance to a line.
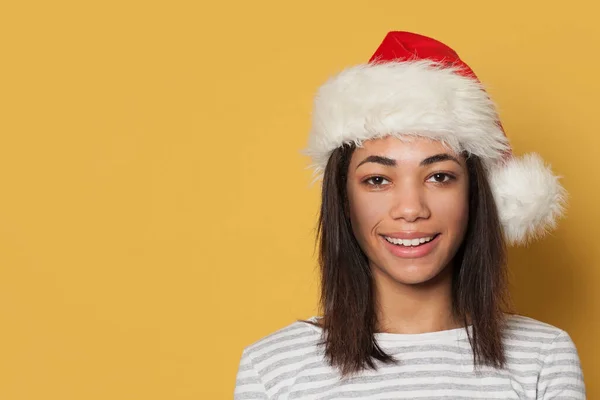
(414,308)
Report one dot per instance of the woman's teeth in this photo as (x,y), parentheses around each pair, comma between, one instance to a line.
(409,242)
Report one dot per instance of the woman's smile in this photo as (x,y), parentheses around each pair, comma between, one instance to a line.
(423,246)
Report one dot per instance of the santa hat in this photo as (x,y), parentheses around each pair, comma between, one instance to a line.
(417,86)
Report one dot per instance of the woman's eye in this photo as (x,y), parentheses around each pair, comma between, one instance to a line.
(376,180)
(441,177)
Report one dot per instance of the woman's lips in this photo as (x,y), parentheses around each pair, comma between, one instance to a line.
(412,252)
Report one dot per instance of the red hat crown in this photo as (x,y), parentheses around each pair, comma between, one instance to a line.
(408,46)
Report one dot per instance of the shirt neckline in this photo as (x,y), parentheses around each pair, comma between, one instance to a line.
(448,334)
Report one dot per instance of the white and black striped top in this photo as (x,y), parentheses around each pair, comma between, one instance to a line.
(542,364)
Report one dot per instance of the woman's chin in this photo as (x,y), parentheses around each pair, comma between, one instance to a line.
(415,273)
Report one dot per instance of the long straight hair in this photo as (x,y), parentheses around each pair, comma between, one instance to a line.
(479,281)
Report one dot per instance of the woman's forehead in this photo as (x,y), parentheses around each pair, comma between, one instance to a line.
(404,148)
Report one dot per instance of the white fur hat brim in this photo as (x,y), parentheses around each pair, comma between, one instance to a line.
(421,98)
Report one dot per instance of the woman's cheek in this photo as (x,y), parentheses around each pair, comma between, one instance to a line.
(368,210)
(453,208)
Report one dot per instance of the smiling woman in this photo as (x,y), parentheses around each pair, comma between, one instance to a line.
(420,193)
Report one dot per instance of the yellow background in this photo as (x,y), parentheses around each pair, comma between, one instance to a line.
(155,213)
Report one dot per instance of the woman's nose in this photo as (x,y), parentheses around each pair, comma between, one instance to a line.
(409,203)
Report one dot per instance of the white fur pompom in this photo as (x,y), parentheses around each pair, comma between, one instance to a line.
(528,196)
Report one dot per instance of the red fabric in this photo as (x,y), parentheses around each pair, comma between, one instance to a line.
(402,46)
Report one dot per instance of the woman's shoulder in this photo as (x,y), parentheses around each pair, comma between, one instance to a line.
(559,366)
(285,349)
(294,335)
(529,334)
(532,326)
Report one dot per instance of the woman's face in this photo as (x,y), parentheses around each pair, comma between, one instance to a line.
(414,194)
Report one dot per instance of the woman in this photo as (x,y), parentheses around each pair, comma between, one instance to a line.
(420,194)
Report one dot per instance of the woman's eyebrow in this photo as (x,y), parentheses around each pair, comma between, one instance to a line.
(390,162)
(438,158)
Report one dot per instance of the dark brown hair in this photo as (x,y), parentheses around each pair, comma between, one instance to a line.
(347,301)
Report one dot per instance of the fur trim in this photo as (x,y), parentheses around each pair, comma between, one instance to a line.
(408,98)
(528,196)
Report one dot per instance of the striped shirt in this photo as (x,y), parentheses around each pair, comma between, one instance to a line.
(542,363)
